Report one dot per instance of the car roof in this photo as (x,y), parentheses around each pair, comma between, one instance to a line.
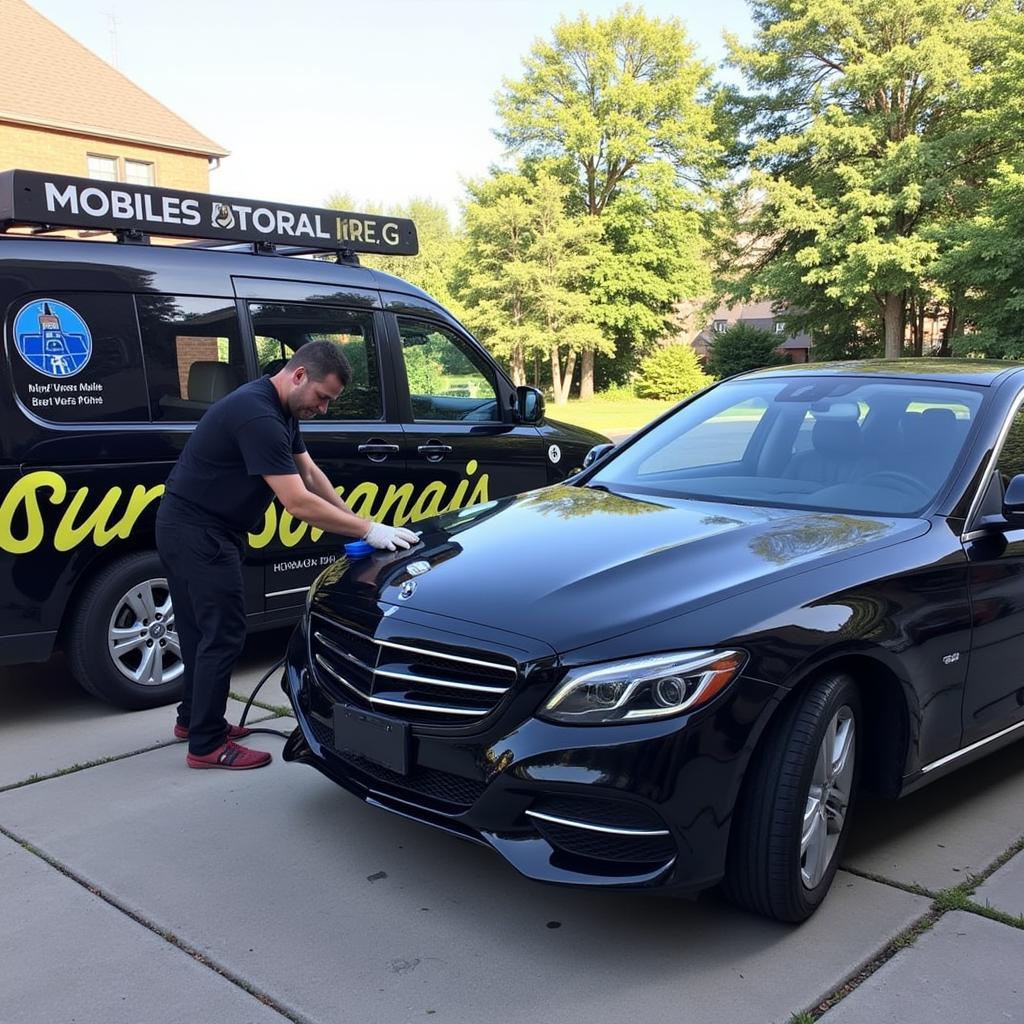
(947,370)
(155,259)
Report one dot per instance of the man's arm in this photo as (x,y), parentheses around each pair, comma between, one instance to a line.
(316,480)
(335,517)
(303,503)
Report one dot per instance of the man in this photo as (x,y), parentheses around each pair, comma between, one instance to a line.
(246,450)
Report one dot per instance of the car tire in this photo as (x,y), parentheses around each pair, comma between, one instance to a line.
(121,644)
(794,812)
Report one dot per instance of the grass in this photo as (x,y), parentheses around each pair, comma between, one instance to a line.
(609,415)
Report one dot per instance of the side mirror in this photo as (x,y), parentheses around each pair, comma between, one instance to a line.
(595,453)
(1013,501)
(529,404)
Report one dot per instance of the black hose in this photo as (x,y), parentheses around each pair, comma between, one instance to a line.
(252,696)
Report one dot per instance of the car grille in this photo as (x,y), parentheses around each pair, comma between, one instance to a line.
(416,680)
(454,791)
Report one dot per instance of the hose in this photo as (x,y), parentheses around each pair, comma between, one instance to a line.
(252,696)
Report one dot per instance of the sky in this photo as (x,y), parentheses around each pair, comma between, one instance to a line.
(382,101)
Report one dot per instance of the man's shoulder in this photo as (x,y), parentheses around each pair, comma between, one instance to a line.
(250,401)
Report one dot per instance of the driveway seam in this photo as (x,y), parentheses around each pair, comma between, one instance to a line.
(168,937)
(944,901)
(74,768)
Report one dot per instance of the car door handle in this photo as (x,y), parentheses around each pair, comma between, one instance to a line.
(434,451)
(377,451)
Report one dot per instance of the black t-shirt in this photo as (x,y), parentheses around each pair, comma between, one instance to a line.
(240,439)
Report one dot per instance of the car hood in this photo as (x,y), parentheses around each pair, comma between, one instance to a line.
(573,565)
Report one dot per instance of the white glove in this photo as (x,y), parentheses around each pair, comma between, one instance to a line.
(390,538)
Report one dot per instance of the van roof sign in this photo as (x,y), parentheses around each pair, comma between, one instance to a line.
(59,201)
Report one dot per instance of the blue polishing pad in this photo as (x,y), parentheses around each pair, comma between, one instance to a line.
(358,549)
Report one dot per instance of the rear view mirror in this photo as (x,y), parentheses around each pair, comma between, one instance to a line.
(1013,501)
(529,404)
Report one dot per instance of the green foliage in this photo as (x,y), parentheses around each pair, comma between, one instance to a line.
(425,373)
(433,269)
(986,263)
(741,348)
(871,127)
(615,109)
(672,372)
(524,273)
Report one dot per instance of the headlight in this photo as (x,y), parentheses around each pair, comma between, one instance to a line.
(643,688)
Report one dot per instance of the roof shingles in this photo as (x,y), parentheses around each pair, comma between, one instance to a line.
(58,83)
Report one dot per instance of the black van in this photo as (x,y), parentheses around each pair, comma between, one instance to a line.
(113,350)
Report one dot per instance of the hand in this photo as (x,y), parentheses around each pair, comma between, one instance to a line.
(390,538)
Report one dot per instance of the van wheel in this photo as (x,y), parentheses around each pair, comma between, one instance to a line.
(122,645)
(794,815)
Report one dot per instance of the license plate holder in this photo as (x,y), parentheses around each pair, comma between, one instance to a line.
(375,737)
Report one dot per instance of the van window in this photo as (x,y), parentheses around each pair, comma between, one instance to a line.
(74,357)
(193,353)
(282,327)
(447,380)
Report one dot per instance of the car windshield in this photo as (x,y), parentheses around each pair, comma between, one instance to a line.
(851,444)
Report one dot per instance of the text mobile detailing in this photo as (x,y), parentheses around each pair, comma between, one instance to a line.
(120,204)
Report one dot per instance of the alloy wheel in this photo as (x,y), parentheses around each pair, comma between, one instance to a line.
(828,798)
(141,637)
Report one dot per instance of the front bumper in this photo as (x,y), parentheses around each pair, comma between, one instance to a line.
(631,806)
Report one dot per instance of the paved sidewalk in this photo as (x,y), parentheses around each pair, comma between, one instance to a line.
(134,890)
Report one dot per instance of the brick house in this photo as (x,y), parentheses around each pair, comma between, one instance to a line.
(88,119)
(796,345)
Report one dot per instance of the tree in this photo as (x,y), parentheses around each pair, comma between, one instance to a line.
(985,264)
(873,121)
(741,348)
(440,246)
(672,372)
(525,266)
(602,101)
(495,277)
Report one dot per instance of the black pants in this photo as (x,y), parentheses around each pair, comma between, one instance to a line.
(203,562)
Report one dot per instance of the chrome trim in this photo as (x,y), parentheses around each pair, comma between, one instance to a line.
(447,657)
(986,478)
(338,677)
(966,750)
(597,828)
(283,593)
(430,681)
(347,629)
(330,645)
(437,708)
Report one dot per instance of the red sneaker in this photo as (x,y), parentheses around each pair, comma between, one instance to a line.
(230,756)
(235,732)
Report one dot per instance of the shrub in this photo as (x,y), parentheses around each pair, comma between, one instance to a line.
(671,373)
(743,348)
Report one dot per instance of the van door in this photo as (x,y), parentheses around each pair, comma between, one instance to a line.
(357,443)
(461,444)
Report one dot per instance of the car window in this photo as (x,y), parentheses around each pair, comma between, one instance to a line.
(835,443)
(74,357)
(281,328)
(720,439)
(193,353)
(1011,457)
(447,379)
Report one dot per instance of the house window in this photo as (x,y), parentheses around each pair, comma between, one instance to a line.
(720,326)
(780,326)
(103,168)
(138,172)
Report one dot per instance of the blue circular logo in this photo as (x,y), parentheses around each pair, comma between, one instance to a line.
(52,338)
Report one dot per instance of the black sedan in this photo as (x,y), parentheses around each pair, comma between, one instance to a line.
(681,666)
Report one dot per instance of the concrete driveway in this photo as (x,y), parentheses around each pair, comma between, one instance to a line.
(134,890)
